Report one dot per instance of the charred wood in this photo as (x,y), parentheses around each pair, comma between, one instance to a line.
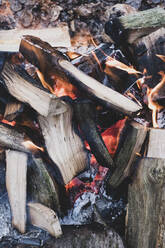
(45,218)
(63,145)
(87,124)
(56,66)
(16,169)
(129,148)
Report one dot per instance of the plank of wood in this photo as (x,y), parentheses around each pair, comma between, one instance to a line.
(156,143)
(57,37)
(16,169)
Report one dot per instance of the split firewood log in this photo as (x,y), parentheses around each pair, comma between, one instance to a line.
(58,36)
(145,226)
(54,66)
(90,131)
(12,110)
(16,170)
(41,186)
(45,218)
(64,146)
(11,138)
(129,28)
(130,144)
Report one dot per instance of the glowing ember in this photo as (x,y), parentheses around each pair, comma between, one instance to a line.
(152,99)
(11,123)
(111,62)
(31,146)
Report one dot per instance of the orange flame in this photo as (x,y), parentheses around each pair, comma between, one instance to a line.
(152,103)
(162,57)
(11,123)
(31,146)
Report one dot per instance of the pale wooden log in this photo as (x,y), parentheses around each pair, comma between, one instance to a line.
(56,66)
(145,227)
(64,146)
(16,169)
(132,140)
(136,25)
(26,91)
(40,185)
(45,218)
(10,39)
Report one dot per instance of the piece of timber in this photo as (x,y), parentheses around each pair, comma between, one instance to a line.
(130,27)
(45,218)
(11,138)
(63,145)
(12,110)
(131,142)
(40,185)
(57,37)
(25,89)
(146,209)
(16,170)
(53,65)
(87,124)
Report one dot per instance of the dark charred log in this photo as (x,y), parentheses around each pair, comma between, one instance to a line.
(87,123)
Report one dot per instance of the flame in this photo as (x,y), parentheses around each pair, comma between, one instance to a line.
(11,123)
(97,60)
(128,93)
(162,57)
(111,62)
(72,54)
(152,103)
(61,87)
(31,146)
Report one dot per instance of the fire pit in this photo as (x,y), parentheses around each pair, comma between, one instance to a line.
(79,134)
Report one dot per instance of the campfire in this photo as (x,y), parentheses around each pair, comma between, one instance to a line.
(81,135)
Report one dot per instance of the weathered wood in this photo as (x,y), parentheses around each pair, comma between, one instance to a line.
(57,67)
(145,227)
(16,169)
(135,25)
(44,218)
(41,187)
(26,90)
(10,39)
(64,146)
(156,144)
(131,142)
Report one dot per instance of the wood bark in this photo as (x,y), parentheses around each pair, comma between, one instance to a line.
(58,36)
(64,146)
(145,227)
(56,66)
(129,148)
(135,25)
(16,170)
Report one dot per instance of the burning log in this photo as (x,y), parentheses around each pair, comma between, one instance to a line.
(58,36)
(129,148)
(44,218)
(54,66)
(41,186)
(64,146)
(145,227)
(135,25)
(90,131)
(16,169)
